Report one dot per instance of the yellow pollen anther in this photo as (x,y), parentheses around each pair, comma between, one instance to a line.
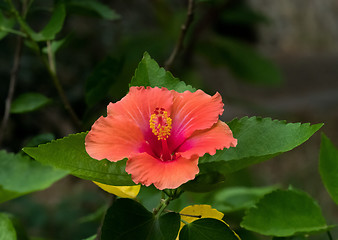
(160,124)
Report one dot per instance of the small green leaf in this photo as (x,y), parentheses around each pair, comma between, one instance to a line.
(69,154)
(259,139)
(7,230)
(148,73)
(6,25)
(20,175)
(51,29)
(207,229)
(328,167)
(92,7)
(102,78)
(129,220)
(239,198)
(242,60)
(56,45)
(29,102)
(285,213)
(53,26)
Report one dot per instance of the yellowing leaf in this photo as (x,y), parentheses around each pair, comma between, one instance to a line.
(195,212)
(120,191)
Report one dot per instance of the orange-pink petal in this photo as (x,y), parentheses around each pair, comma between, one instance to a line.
(140,103)
(148,170)
(113,138)
(191,112)
(200,142)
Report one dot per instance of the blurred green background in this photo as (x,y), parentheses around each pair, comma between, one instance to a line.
(267,58)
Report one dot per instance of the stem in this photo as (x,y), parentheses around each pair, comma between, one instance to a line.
(172,194)
(184,29)
(12,83)
(9,30)
(166,193)
(185,222)
(163,204)
(50,64)
(28,5)
(51,58)
(329,235)
(202,24)
(14,71)
(51,67)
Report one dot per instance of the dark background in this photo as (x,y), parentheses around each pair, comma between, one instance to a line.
(299,37)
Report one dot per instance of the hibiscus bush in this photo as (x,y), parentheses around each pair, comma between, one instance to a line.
(161,148)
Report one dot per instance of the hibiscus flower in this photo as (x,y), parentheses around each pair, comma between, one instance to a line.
(162,133)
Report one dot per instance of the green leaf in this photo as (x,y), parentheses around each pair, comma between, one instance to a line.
(92,7)
(69,154)
(20,175)
(29,102)
(56,45)
(239,198)
(207,229)
(51,29)
(6,25)
(285,213)
(259,139)
(242,60)
(7,230)
(148,73)
(54,25)
(102,78)
(127,219)
(328,167)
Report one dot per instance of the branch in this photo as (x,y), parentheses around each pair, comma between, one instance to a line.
(184,29)
(50,63)
(52,71)
(11,88)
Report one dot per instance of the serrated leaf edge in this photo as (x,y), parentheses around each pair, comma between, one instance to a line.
(297,191)
(146,56)
(319,125)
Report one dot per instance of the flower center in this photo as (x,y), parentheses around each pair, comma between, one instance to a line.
(160,123)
